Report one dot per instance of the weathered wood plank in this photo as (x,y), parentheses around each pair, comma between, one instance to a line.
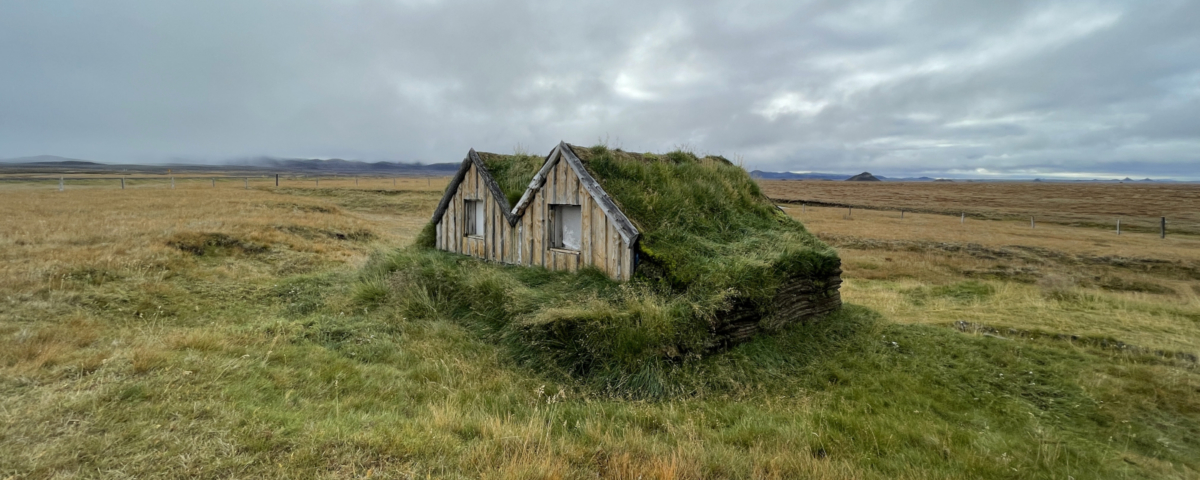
(494,234)
(489,229)
(601,253)
(573,186)
(501,223)
(455,238)
(472,181)
(598,234)
(614,252)
(539,221)
(526,241)
(562,182)
(585,237)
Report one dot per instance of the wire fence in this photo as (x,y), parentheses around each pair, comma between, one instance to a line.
(63,183)
(1160,225)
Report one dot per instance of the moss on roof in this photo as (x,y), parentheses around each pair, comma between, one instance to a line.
(512,172)
(705,224)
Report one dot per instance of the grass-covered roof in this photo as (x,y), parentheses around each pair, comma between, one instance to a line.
(512,172)
(705,223)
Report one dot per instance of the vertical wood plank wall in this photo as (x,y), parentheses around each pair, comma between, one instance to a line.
(529,242)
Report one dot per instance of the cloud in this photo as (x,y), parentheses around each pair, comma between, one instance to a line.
(894,87)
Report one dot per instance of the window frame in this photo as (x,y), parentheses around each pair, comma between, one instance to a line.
(557,223)
(474,224)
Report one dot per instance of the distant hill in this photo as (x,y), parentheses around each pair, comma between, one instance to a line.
(338,165)
(827,176)
(797,176)
(44,159)
(44,163)
(863,177)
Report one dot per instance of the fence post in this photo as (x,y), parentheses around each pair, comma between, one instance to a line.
(902,214)
(963,218)
(276,179)
(246,182)
(356,180)
(318,180)
(122,183)
(849,211)
(1118,226)
(1031,224)
(60,184)
(214,182)
(1164,228)
(172,182)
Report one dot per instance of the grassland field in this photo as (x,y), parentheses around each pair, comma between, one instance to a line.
(220,332)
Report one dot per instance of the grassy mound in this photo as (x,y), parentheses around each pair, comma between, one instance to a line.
(620,338)
(711,243)
(706,227)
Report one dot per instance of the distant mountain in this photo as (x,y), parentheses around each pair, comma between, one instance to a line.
(261,164)
(863,177)
(44,159)
(827,176)
(797,176)
(338,165)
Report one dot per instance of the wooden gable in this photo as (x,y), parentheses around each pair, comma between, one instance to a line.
(524,235)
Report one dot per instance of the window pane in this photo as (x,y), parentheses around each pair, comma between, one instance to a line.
(570,221)
(479,216)
(472,217)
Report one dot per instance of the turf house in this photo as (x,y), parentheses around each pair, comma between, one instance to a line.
(694,233)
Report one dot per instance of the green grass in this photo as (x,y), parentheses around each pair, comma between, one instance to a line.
(512,172)
(706,227)
(337,390)
(201,371)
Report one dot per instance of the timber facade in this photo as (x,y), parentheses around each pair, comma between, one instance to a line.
(564,220)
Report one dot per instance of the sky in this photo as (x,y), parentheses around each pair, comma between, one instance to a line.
(898,88)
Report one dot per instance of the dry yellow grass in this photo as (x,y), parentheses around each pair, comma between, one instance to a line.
(1072,280)
(1139,205)
(124,353)
(59,249)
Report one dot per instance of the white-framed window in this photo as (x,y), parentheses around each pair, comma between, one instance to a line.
(566,226)
(473,218)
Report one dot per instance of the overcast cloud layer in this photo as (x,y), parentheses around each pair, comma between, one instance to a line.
(1090,88)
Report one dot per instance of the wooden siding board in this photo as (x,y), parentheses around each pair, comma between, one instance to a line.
(573,183)
(527,239)
(613,249)
(562,182)
(602,243)
(489,229)
(585,247)
(496,231)
(455,238)
(540,223)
